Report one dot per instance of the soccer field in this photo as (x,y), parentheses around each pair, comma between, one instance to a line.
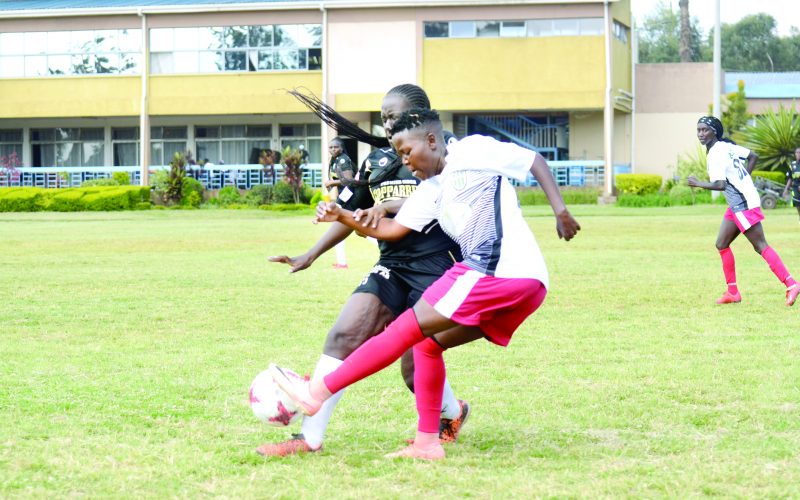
(128,342)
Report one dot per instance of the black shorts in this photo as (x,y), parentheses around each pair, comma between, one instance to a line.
(399,284)
(795,198)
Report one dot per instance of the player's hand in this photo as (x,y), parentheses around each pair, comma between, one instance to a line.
(692,181)
(295,263)
(566,225)
(327,211)
(371,216)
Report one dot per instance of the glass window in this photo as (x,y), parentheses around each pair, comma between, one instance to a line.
(12,135)
(261,59)
(35,43)
(95,134)
(59,65)
(565,27)
(12,66)
(130,40)
(127,133)
(436,29)
(207,151)
(162,62)
(106,40)
(292,130)
(174,132)
(82,41)
(462,29)
(512,28)
(487,28)
(231,131)
(235,61)
(186,39)
(286,59)
(234,152)
(235,36)
(591,26)
(58,42)
(93,155)
(186,62)
(36,66)
(67,147)
(314,59)
(11,43)
(260,36)
(209,38)
(621,31)
(540,27)
(211,62)
(206,132)
(126,154)
(162,39)
(286,35)
(11,144)
(255,131)
(309,35)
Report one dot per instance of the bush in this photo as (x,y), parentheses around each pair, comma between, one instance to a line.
(316,198)
(110,200)
(19,199)
(191,192)
(259,195)
(193,200)
(779,177)
(102,181)
(677,196)
(68,200)
(73,199)
(122,178)
(282,193)
(229,195)
(284,207)
(640,184)
(572,196)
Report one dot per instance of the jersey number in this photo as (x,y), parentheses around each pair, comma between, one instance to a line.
(738,163)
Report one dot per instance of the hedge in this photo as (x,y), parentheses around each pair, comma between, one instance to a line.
(572,196)
(96,198)
(638,183)
(779,177)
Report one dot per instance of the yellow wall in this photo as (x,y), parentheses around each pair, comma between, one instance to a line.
(586,135)
(241,93)
(70,97)
(514,73)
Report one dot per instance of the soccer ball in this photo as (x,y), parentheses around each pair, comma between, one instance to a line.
(270,403)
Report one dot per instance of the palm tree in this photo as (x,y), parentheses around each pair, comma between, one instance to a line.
(774,137)
(686,32)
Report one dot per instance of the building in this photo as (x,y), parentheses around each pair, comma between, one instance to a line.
(126,83)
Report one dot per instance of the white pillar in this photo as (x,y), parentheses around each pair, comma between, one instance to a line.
(144,116)
(717,62)
(608,108)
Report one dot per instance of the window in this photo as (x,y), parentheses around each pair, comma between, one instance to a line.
(67,147)
(86,52)
(488,28)
(462,29)
(437,30)
(232,144)
(512,28)
(621,32)
(236,48)
(530,28)
(165,142)
(307,135)
(125,146)
(10,145)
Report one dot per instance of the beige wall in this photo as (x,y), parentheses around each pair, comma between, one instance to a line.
(586,135)
(669,100)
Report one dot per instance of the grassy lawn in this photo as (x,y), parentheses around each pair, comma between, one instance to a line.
(128,342)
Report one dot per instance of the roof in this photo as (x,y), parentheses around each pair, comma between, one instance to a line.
(765,85)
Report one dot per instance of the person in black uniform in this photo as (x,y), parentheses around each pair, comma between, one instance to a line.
(403,271)
(341,171)
(793,181)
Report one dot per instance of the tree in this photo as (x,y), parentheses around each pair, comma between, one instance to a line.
(751,45)
(660,37)
(293,171)
(734,114)
(774,137)
(686,32)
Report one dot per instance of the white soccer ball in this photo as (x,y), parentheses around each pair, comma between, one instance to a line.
(270,403)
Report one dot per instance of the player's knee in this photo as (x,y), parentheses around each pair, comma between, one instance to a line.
(760,246)
(722,244)
(342,343)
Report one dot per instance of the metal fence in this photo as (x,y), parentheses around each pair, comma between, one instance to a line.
(567,173)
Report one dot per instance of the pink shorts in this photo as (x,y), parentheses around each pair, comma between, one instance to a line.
(745,219)
(497,305)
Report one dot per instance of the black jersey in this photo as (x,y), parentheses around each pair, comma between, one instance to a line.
(794,175)
(340,164)
(387,179)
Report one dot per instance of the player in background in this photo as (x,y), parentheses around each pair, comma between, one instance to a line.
(502,280)
(404,269)
(341,171)
(729,168)
(793,181)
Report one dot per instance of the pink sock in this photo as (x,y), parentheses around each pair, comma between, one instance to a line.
(777,267)
(429,374)
(377,353)
(729,270)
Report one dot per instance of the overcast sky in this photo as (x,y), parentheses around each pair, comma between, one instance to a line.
(785,12)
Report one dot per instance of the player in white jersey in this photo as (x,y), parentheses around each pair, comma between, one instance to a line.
(502,280)
(729,168)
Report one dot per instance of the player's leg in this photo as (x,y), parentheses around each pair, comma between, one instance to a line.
(362,316)
(756,237)
(728,231)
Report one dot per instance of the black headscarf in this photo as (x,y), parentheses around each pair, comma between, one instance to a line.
(714,123)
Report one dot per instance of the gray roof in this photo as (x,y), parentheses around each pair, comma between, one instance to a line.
(765,85)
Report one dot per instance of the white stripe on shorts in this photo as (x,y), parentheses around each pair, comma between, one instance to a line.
(454,297)
(742,220)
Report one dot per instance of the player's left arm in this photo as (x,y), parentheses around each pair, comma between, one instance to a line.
(566,225)
(752,158)
(371,217)
(385,229)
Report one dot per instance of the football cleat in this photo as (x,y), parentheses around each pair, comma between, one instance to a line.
(295,446)
(450,428)
(296,388)
(791,294)
(729,298)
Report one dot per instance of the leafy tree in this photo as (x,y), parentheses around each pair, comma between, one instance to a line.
(774,137)
(734,111)
(293,171)
(177,171)
(660,35)
(751,45)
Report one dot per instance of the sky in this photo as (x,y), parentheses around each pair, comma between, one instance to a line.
(785,12)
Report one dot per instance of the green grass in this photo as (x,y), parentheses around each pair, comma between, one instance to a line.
(128,341)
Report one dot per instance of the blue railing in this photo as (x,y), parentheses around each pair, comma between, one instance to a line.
(567,173)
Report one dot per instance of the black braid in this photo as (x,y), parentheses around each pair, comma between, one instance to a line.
(336,121)
(413,94)
(413,118)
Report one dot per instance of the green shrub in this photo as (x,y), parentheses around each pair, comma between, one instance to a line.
(640,184)
(779,177)
(122,178)
(19,199)
(192,192)
(159,180)
(285,207)
(192,200)
(228,196)
(260,194)
(572,196)
(68,200)
(315,198)
(103,181)
(282,193)
(143,205)
(107,200)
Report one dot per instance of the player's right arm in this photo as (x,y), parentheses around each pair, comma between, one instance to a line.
(386,229)
(566,225)
(333,236)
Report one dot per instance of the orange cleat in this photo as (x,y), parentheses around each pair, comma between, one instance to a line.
(411,451)
(296,388)
(791,294)
(295,446)
(729,298)
(449,429)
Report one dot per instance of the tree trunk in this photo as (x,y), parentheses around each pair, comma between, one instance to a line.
(686,32)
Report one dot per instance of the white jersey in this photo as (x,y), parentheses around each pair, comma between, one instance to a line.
(477,206)
(728,162)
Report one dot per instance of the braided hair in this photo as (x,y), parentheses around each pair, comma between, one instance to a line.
(716,126)
(413,118)
(413,94)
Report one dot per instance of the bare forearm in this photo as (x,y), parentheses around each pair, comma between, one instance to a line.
(541,171)
(386,229)
(713,186)
(333,236)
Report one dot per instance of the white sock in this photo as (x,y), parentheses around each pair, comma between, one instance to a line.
(450,406)
(313,428)
(341,258)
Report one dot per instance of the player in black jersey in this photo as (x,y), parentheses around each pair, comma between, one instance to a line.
(793,181)
(404,270)
(341,172)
